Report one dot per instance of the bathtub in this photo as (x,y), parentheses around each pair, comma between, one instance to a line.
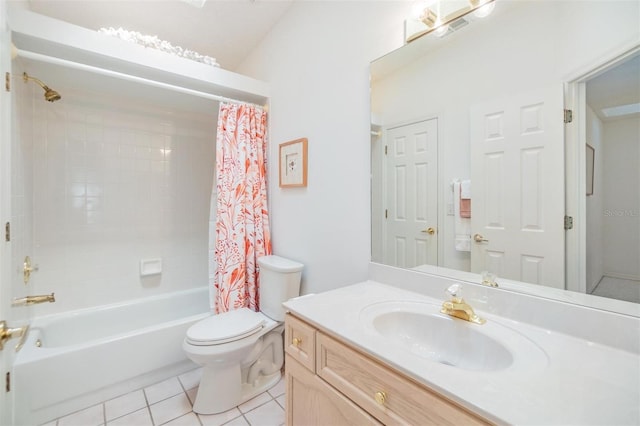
(77,359)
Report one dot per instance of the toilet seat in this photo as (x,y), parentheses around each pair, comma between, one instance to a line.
(226,327)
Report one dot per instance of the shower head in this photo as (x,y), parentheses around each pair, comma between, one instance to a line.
(49,94)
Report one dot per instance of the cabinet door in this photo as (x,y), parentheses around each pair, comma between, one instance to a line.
(387,395)
(310,401)
(299,341)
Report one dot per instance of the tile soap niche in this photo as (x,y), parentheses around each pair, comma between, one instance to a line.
(150,267)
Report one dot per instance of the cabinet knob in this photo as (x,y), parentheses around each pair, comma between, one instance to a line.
(296,341)
(380,397)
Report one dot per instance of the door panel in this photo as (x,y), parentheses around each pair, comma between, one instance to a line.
(517,173)
(411,194)
(6,355)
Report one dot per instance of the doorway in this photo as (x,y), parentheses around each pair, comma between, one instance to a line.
(612,155)
(603,179)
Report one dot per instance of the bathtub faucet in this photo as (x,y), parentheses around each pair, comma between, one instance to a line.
(33,300)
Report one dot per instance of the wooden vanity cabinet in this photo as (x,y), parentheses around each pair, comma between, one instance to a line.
(330,383)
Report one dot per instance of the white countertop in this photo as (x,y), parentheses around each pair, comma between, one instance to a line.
(579,382)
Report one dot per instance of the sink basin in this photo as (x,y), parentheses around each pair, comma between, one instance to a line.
(420,329)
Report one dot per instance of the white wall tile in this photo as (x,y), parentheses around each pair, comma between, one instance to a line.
(113,184)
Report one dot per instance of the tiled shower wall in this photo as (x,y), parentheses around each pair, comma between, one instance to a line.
(115,181)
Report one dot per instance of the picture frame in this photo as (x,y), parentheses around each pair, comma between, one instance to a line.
(590,162)
(293,163)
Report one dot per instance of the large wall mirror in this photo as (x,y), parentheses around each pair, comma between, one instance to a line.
(474,168)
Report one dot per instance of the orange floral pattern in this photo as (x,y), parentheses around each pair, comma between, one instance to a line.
(242,217)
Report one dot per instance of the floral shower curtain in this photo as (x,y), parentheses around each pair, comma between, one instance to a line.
(242,218)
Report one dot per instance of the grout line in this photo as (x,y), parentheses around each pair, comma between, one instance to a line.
(146,400)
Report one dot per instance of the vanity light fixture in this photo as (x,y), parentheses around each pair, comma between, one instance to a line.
(427,21)
(441,30)
(429,18)
(484,9)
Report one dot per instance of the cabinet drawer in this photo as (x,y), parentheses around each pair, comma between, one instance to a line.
(299,341)
(312,402)
(388,396)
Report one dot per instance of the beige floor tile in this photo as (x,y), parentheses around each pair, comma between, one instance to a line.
(191,379)
(239,421)
(255,402)
(189,419)
(137,418)
(170,409)
(124,404)
(220,418)
(269,414)
(91,416)
(278,389)
(163,390)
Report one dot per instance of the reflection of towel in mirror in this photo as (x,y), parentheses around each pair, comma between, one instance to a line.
(461,225)
(465,198)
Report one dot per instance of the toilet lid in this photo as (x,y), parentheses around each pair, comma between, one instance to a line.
(225,327)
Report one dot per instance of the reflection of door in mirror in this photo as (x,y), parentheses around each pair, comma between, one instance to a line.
(500,56)
(410,186)
(613,208)
(517,174)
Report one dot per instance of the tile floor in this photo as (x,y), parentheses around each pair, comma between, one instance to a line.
(169,403)
(617,288)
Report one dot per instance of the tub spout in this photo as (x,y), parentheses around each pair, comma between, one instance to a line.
(33,300)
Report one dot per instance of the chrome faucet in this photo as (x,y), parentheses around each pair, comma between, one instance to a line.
(457,307)
(33,300)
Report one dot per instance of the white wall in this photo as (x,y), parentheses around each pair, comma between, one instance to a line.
(595,243)
(112,181)
(531,47)
(316,62)
(621,140)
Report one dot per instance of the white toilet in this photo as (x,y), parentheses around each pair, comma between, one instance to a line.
(241,351)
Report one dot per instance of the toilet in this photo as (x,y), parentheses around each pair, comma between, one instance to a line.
(241,351)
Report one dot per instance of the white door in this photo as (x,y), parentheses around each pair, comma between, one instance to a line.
(411,225)
(517,187)
(6,355)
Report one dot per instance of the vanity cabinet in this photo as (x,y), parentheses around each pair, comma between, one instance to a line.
(331,383)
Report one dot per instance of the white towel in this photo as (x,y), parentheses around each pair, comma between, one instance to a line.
(461,225)
(465,189)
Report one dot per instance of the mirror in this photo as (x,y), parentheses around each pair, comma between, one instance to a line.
(473,168)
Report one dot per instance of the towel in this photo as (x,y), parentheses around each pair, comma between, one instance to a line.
(465,198)
(461,225)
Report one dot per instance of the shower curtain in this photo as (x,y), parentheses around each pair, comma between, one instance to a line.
(242,219)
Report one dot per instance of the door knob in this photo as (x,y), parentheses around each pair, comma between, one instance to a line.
(429,230)
(478,238)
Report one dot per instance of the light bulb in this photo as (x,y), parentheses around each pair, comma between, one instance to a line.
(485,10)
(441,30)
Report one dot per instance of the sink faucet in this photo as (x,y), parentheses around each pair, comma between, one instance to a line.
(457,307)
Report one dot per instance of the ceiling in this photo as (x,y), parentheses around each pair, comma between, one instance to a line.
(617,86)
(227,30)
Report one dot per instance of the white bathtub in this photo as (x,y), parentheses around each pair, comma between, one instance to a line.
(92,355)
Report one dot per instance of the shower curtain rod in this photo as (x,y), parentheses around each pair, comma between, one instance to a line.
(70,64)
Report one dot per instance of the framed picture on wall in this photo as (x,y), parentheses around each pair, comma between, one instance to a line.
(293,163)
(591,155)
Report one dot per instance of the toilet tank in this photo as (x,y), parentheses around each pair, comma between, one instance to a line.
(279,282)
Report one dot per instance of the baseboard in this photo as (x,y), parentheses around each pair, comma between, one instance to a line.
(622,276)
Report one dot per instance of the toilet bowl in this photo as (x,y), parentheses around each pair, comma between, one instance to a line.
(241,351)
